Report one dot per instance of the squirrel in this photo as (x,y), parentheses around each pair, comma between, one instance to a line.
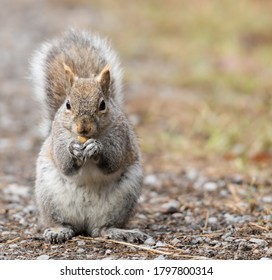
(89,174)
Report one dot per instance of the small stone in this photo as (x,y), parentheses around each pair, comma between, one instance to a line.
(192,174)
(89,257)
(199,183)
(197,240)
(160,244)
(265,258)
(177,215)
(142,216)
(229,239)
(188,219)
(14,189)
(237,179)
(175,241)
(239,240)
(210,186)
(171,206)
(212,220)
(224,193)
(81,243)
(267,199)
(150,241)
(30,209)
(108,252)
(43,257)
(245,246)
(4,233)
(80,250)
(259,242)
(269,251)
(230,219)
(11,246)
(268,218)
(151,179)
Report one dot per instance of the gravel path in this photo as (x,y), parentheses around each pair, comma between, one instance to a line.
(188,216)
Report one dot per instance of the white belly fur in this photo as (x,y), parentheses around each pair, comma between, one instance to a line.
(85,200)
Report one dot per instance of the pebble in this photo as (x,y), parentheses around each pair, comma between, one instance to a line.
(80,250)
(192,174)
(245,246)
(189,219)
(43,257)
(13,246)
(81,243)
(212,220)
(265,258)
(152,180)
(197,240)
(269,251)
(231,219)
(150,241)
(227,235)
(224,193)
(210,186)
(142,216)
(229,239)
(259,242)
(108,252)
(19,190)
(200,182)
(171,206)
(237,179)
(268,218)
(6,233)
(160,244)
(267,199)
(175,241)
(30,209)
(177,215)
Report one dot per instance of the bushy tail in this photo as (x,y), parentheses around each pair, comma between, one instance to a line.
(86,53)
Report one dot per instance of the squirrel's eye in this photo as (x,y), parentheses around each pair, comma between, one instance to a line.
(68,105)
(102,105)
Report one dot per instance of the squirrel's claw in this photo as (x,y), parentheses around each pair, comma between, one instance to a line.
(58,235)
(91,148)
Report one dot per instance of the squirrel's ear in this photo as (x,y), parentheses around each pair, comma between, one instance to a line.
(70,76)
(104,79)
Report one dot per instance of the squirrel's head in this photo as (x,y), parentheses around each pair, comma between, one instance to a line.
(87,102)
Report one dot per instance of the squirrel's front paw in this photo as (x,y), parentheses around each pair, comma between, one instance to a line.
(92,149)
(76,150)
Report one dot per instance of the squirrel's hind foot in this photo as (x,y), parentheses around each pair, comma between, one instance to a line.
(131,236)
(57,235)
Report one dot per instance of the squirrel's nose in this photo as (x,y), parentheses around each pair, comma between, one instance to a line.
(84,128)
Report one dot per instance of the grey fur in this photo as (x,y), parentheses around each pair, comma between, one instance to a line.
(89,188)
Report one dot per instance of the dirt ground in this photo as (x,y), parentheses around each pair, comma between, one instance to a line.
(199,201)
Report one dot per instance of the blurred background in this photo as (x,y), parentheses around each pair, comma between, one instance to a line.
(198,79)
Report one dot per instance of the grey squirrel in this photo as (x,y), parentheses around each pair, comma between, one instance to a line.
(89,174)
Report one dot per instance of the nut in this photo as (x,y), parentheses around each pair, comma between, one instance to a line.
(82,139)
